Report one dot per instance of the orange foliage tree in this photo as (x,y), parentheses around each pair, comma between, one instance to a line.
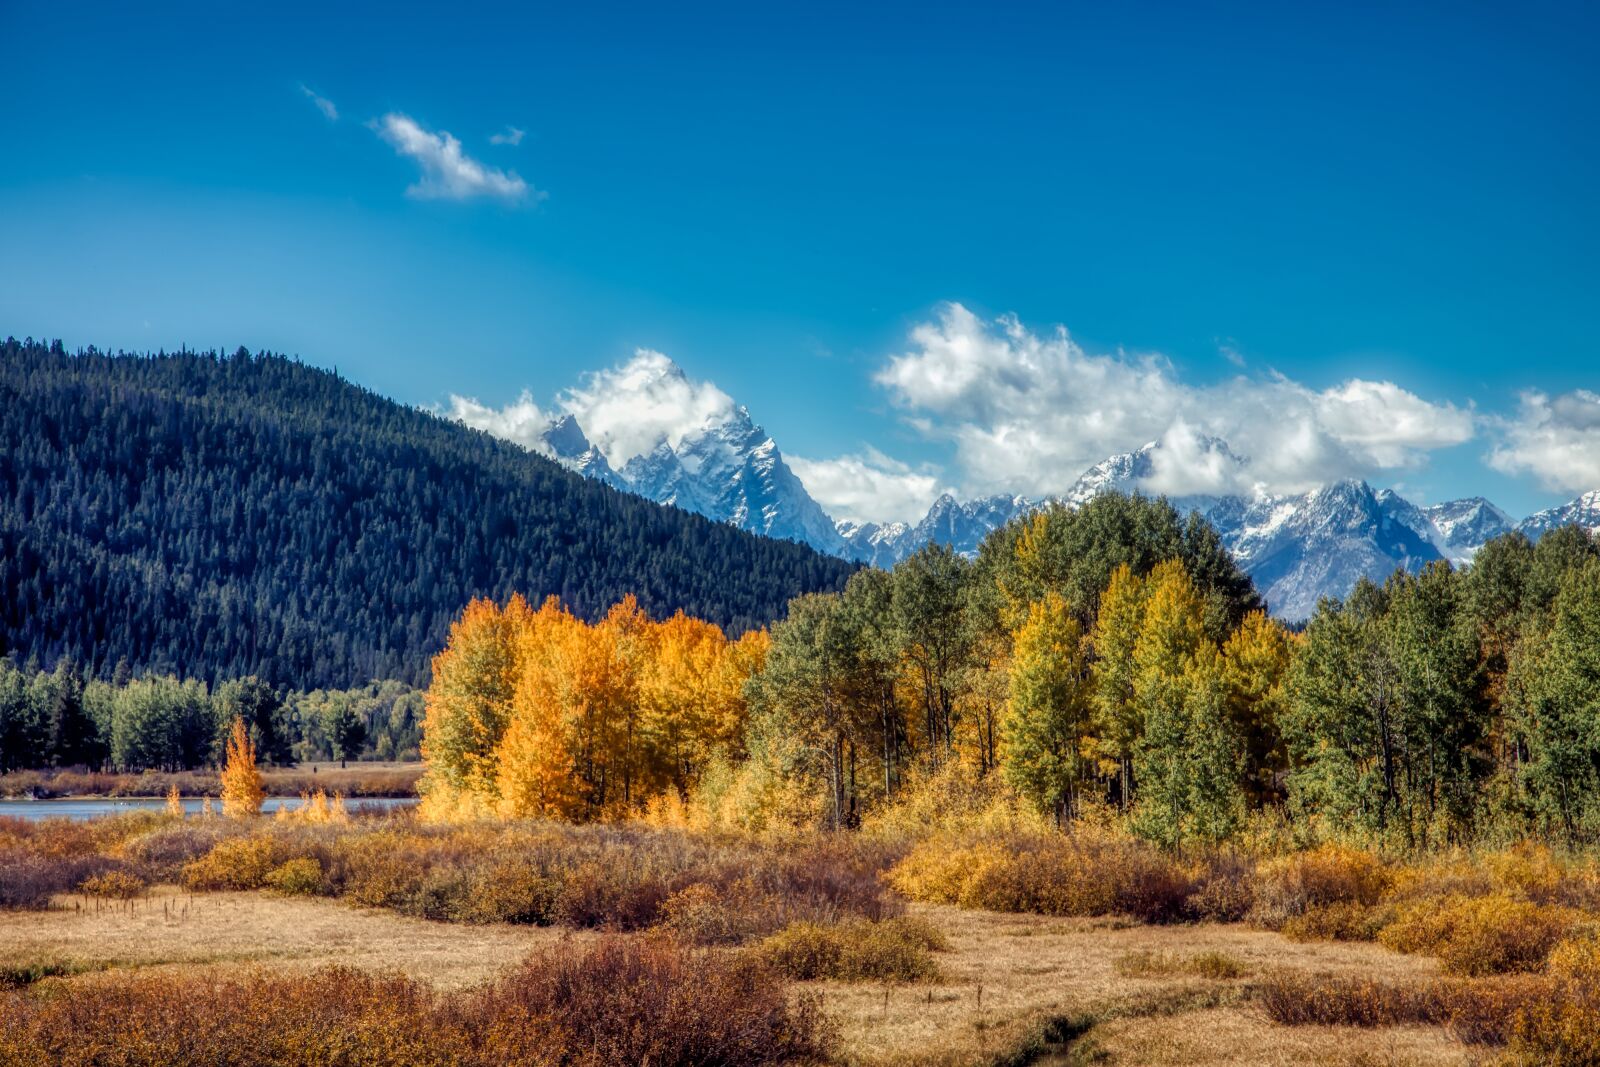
(241,781)
(540,714)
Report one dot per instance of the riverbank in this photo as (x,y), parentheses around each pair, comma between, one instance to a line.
(357,781)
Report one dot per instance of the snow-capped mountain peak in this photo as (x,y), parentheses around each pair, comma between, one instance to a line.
(1584,512)
(1298,548)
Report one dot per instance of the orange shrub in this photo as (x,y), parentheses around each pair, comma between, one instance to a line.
(1496,934)
(235,863)
(1049,874)
(113,885)
(1331,874)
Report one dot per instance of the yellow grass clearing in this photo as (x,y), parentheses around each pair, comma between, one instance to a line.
(1009,974)
(172,927)
(1006,976)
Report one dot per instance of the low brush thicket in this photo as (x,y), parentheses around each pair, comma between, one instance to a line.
(620,1001)
(706,889)
(894,950)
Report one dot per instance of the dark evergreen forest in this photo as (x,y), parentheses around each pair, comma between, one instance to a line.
(224,516)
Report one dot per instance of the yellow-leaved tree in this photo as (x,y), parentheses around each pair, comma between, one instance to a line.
(1118,723)
(1256,667)
(241,780)
(1047,720)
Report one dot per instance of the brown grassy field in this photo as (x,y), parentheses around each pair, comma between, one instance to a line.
(1005,978)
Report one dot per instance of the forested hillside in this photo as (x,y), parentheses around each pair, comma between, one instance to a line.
(224,516)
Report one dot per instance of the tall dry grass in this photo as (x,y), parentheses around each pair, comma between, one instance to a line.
(632,1001)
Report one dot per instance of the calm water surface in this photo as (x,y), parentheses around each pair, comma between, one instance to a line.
(93,807)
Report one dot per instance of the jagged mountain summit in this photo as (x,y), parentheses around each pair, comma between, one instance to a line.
(729,470)
(1463,526)
(1298,548)
(1584,512)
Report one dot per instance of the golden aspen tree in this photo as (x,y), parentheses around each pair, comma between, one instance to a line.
(1186,764)
(683,697)
(174,801)
(469,700)
(1256,661)
(1117,722)
(242,794)
(1047,720)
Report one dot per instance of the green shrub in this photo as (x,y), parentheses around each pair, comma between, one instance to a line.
(300,877)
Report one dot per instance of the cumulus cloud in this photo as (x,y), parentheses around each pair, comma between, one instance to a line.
(869,486)
(1554,438)
(1027,412)
(523,421)
(509,136)
(323,104)
(447,172)
(628,409)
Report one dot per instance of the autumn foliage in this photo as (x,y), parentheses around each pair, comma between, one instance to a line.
(537,713)
(241,780)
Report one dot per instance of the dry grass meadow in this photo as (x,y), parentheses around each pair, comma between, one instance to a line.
(1012,987)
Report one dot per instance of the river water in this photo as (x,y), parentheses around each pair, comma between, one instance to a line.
(93,807)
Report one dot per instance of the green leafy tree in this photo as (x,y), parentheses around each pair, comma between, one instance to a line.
(346,729)
(1047,722)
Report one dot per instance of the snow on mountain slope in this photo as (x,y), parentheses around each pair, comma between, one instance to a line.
(1297,548)
(1462,526)
(1584,512)
(729,470)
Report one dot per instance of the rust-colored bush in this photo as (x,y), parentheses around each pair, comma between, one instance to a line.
(1477,1011)
(614,1003)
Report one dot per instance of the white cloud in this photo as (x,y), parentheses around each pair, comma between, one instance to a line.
(447,172)
(1029,412)
(629,409)
(323,104)
(1556,439)
(509,136)
(522,421)
(868,487)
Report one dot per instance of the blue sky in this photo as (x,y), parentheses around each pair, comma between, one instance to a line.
(1374,226)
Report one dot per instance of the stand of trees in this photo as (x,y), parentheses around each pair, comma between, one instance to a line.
(159,722)
(1112,656)
(236,516)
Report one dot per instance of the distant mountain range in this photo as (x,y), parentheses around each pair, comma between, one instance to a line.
(1298,548)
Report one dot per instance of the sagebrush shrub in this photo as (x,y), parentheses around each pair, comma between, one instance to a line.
(893,950)
(113,885)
